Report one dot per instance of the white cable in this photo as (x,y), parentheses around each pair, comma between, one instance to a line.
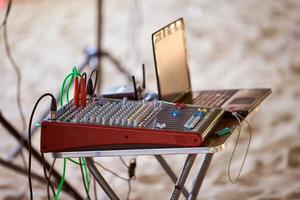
(238,116)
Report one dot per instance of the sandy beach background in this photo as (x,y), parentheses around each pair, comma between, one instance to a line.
(231,44)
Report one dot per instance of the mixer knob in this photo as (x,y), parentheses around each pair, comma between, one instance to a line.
(155,103)
(135,122)
(204,110)
(111,121)
(124,101)
(179,106)
(129,121)
(77,118)
(161,125)
(98,119)
(199,114)
(92,118)
(123,121)
(175,113)
(103,120)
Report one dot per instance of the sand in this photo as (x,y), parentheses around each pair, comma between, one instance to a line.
(232,44)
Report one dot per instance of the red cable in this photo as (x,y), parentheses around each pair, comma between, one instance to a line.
(76,92)
(82,92)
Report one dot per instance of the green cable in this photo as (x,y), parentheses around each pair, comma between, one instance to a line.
(61,183)
(87,180)
(68,87)
(86,174)
(70,82)
(63,88)
(86,177)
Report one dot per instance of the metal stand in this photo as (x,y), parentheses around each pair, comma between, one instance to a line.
(183,176)
(200,176)
(179,181)
(101,181)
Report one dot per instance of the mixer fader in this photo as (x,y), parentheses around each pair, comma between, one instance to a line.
(115,123)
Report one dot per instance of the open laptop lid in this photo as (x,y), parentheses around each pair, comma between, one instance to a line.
(170,57)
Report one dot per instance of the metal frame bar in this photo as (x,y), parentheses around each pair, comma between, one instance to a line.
(101,181)
(170,173)
(179,181)
(197,183)
(139,152)
(183,176)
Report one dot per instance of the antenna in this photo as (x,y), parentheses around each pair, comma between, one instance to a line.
(144,76)
(134,87)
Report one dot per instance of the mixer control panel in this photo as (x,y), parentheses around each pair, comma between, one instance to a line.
(126,123)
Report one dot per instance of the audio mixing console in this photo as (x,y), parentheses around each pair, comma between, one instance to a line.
(115,123)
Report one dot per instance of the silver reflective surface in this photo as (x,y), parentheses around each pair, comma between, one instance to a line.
(171,60)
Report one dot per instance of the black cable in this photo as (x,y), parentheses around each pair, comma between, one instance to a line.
(6,14)
(131,173)
(84,183)
(129,189)
(84,76)
(96,77)
(47,177)
(17,70)
(124,163)
(29,139)
(14,64)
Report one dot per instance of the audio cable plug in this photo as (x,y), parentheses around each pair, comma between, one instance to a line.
(76,92)
(82,95)
(89,89)
(131,169)
(53,109)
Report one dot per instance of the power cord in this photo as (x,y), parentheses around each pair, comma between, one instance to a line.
(238,116)
(53,108)
(18,73)
(47,178)
(6,14)
(14,64)
(131,173)
(94,71)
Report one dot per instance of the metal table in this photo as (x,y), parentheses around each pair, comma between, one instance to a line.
(212,145)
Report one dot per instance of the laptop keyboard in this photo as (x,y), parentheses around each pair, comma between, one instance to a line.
(212,98)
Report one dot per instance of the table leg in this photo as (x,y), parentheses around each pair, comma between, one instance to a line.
(100,179)
(200,176)
(183,176)
(170,172)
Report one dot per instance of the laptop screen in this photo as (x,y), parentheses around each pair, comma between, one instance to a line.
(170,56)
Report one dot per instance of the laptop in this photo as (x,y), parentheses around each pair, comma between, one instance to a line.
(173,77)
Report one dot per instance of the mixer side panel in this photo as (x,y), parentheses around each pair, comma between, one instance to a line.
(56,136)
